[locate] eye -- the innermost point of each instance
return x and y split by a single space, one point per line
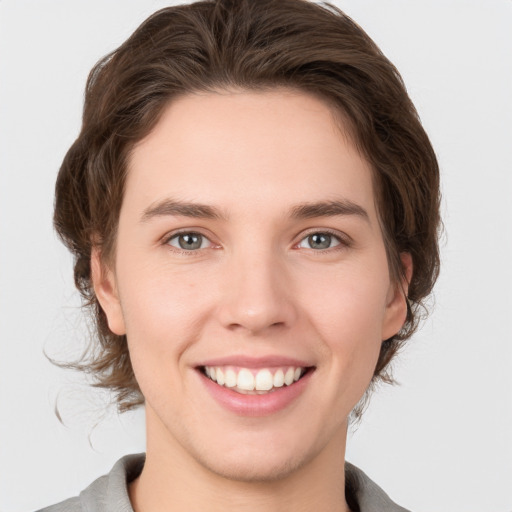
319 241
189 241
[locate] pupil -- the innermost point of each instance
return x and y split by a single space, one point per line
190 241
320 241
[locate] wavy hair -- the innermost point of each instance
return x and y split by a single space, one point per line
253 45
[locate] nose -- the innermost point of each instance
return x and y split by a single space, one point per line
257 294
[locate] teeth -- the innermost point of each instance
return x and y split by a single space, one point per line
248 381
288 376
230 379
264 380
245 380
279 379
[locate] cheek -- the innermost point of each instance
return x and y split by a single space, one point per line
162 315
349 304
162 310
347 310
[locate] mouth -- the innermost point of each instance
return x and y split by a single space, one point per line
255 381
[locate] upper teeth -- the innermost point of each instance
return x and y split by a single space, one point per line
244 379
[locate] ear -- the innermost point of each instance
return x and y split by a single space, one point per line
105 288
396 307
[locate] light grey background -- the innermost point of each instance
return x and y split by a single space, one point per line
442 441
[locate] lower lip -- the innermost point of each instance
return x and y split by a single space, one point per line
256 405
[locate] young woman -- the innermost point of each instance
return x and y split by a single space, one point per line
253 208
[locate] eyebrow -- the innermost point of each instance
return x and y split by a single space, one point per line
169 207
329 209
184 209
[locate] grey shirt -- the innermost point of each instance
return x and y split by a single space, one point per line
109 493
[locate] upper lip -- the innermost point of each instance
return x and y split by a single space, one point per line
255 362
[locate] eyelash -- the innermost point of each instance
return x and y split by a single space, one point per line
343 241
188 252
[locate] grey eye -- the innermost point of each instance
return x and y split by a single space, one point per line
319 241
188 241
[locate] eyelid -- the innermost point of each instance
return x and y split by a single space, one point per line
343 239
183 231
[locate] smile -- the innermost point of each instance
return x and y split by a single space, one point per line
260 386
254 381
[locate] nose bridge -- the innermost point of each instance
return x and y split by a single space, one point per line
255 295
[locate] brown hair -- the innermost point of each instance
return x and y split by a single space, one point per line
246 44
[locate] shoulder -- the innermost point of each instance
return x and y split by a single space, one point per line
109 492
368 496
71 505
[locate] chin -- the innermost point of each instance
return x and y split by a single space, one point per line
257 458
262 469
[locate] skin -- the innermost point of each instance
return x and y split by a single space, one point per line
255 287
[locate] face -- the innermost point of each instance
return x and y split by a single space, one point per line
251 279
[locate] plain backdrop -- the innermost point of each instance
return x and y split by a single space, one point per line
440 441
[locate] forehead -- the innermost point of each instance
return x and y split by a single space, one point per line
276 147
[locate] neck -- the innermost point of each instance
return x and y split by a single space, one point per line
172 479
